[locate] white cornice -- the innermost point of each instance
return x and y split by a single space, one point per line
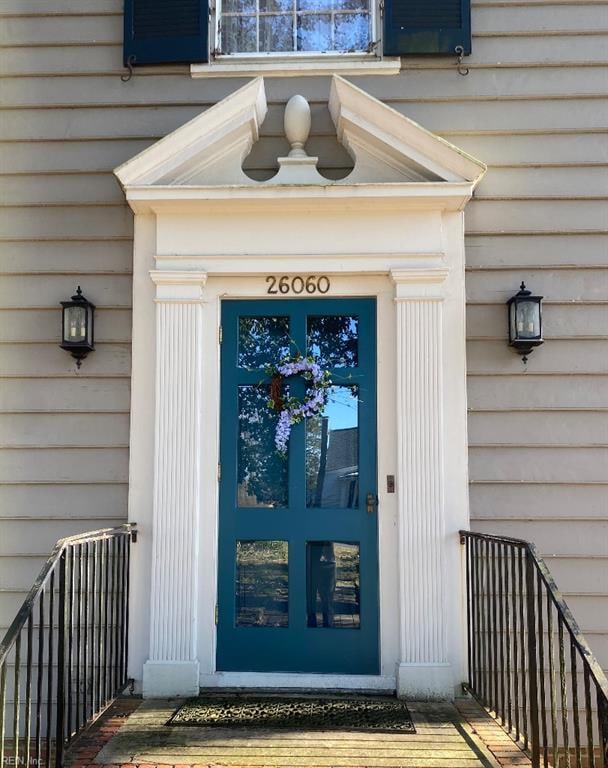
188 199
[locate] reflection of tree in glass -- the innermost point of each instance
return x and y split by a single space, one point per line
262 589
262 340
333 340
262 473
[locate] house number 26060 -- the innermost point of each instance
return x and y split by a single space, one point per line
297 284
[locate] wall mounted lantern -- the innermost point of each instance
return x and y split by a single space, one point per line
525 322
77 332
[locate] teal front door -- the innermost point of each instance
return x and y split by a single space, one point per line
298 543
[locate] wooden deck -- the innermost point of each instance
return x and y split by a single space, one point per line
448 736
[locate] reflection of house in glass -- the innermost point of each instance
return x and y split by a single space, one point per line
338 478
332 452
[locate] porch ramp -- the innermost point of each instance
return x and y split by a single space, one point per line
459 735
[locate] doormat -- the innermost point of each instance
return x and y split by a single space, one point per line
343 713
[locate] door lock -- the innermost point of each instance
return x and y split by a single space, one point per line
371 503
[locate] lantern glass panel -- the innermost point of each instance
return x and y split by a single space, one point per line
76 324
528 319
512 321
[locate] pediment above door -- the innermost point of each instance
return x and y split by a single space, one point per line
393 156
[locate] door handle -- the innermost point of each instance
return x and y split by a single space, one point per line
371 503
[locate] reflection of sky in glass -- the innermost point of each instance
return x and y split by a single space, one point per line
341 408
319 25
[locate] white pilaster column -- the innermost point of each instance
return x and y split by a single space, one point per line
423 670
172 667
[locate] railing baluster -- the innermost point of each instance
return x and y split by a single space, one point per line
575 713
501 635
541 670
78 641
96 631
551 655
16 699
49 672
563 683
118 596
106 612
486 623
132 538
471 633
28 691
121 612
85 641
532 663
588 718
102 625
70 632
2 709
522 635
507 629
602 721
113 665
40 674
477 615
514 558
495 628
62 658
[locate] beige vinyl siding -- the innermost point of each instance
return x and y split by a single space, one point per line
534 107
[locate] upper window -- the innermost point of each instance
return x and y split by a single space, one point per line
294 26
292 36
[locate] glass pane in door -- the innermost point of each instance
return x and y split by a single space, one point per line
262 586
262 473
332 580
333 340
262 341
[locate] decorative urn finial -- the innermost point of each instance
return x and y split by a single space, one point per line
297 125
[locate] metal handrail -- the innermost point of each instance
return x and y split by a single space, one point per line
513 607
81 595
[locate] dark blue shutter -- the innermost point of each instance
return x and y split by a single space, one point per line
166 31
426 26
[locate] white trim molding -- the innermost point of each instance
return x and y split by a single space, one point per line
422 670
205 233
173 666
297 66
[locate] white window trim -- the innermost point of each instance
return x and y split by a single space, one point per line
271 65
296 63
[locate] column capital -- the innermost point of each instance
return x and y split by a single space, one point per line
418 283
181 286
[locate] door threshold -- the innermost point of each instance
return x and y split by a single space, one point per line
294 682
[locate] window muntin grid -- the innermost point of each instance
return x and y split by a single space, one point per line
301 26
